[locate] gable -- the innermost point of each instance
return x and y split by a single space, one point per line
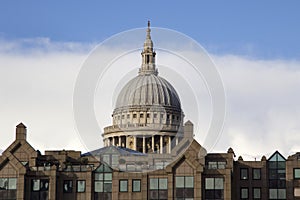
183 167
7 169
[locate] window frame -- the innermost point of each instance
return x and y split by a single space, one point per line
253 193
121 189
84 186
294 173
133 184
67 183
256 169
247 173
247 192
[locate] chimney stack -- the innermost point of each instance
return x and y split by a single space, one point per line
21 132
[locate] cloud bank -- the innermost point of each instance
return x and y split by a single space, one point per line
37 78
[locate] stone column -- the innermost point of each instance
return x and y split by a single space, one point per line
169 144
119 141
152 143
113 141
134 142
161 144
176 140
144 144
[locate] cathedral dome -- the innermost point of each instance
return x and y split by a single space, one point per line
148 90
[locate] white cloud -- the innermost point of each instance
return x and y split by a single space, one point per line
36 87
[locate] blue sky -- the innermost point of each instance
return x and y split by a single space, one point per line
255 46
262 29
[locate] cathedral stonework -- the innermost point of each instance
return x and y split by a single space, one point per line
148 115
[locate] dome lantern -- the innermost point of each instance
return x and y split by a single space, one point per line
148 56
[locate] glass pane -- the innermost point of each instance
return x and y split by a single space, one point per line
256 193
256 174
179 180
209 183
107 187
280 158
297 192
35 185
98 186
80 186
281 193
163 194
136 185
273 193
273 174
44 184
189 182
274 158
244 174
212 165
153 183
281 165
272 165
123 185
188 193
244 193
3 183
163 184
68 186
153 194
219 183
115 160
107 176
99 177
12 183
106 159
221 165
296 173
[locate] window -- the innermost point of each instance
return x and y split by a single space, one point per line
148 115
123 116
216 165
277 193
297 192
256 174
161 116
184 187
296 173
136 185
8 188
141 115
256 193
134 115
80 186
244 193
158 188
110 159
123 185
39 188
276 168
244 173
155 115
103 182
68 186
214 188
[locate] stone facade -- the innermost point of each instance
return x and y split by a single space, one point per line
66 174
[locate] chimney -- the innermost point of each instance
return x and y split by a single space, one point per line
21 132
188 129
